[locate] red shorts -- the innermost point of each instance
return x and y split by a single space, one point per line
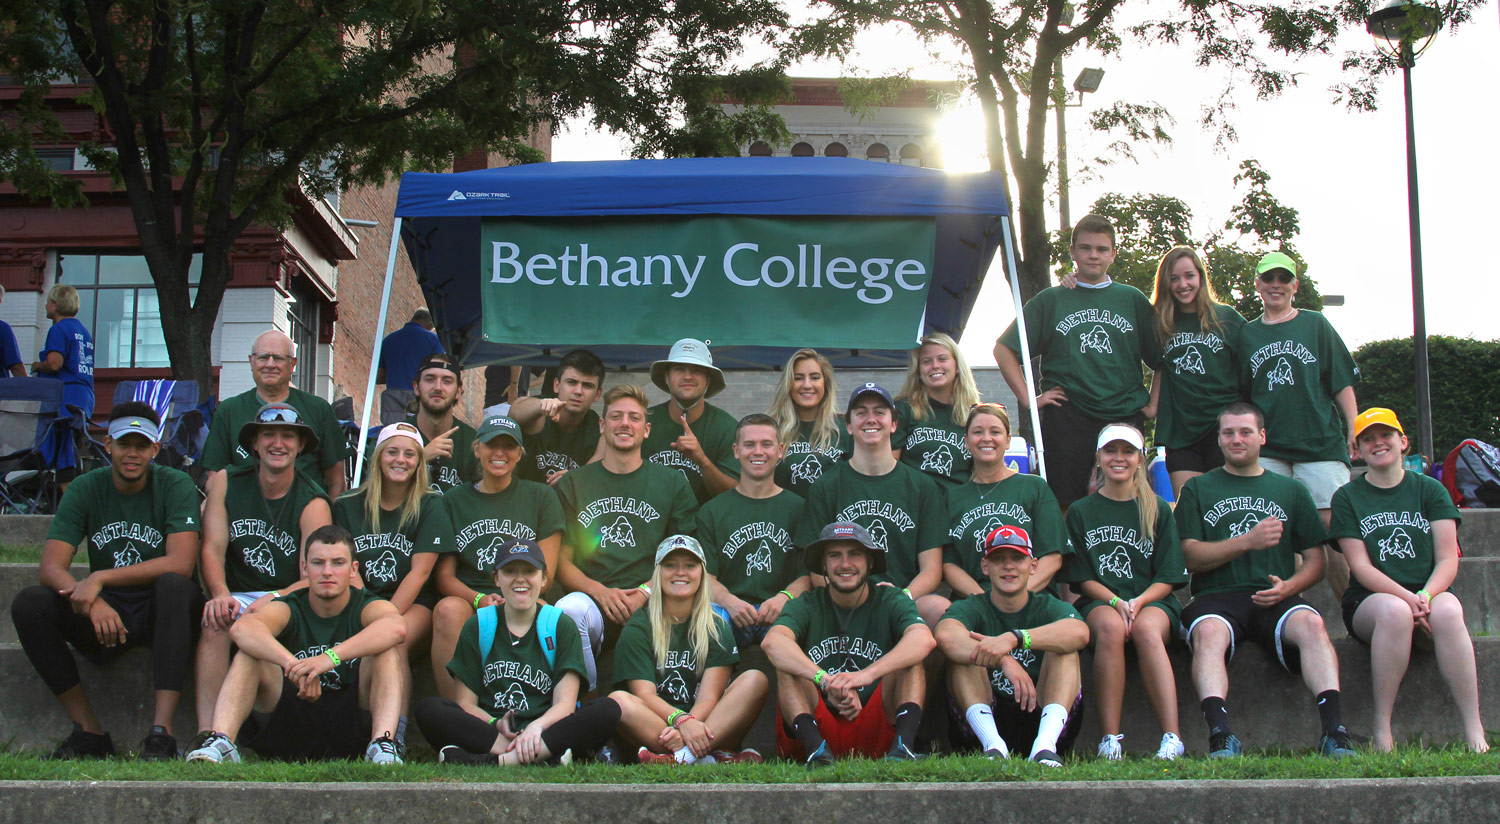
869 734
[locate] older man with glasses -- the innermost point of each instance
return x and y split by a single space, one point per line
271 364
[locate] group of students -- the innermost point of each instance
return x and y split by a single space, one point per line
849 546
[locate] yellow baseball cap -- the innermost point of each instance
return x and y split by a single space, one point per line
1376 415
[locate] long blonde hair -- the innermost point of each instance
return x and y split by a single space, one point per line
1205 303
826 421
701 629
965 391
411 504
1140 485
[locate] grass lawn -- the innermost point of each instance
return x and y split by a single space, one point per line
1403 763
20 554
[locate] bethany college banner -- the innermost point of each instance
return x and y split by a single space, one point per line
788 281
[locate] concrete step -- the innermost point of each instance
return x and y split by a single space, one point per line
13 579
1479 534
24 530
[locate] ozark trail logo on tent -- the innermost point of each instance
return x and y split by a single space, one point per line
458 195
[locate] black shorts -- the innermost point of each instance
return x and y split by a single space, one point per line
1353 597
1246 621
1069 438
332 727
1017 727
1199 456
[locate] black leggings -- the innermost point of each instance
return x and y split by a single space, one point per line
444 722
163 617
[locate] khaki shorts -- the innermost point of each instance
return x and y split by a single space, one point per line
1321 478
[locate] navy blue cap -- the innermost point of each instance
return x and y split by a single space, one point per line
869 389
520 549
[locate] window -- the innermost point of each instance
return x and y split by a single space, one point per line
878 151
117 302
911 155
836 150
802 150
303 314
57 160
760 149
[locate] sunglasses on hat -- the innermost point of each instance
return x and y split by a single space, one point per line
284 414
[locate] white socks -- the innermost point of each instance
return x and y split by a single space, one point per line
982 721
685 756
1054 718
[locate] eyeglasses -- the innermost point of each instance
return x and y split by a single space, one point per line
278 414
1277 276
269 357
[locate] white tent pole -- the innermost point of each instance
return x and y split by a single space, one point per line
385 304
1015 292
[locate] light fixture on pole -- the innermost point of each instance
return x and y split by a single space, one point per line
1088 81
1404 30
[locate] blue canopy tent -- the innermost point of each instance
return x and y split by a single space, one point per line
439 219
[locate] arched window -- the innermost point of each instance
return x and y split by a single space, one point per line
836 150
911 155
878 151
760 149
802 150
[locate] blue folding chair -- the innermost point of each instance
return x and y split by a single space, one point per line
31 418
183 425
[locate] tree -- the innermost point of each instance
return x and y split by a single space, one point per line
1012 48
1147 226
222 114
1465 404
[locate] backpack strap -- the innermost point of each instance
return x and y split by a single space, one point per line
546 631
488 618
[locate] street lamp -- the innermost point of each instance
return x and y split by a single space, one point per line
1088 81
1404 29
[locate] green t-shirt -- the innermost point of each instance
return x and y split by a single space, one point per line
483 523
1292 370
265 537
676 684
1108 547
308 634
459 468
902 509
976 510
748 542
614 522
123 530
1395 525
222 449
802 465
714 430
934 445
515 676
1217 506
555 449
1092 343
849 641
384 549
1198 377
978 613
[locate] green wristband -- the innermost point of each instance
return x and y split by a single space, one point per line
478 596
1114 600
672 719
818 679
332 656
789 596
908 592
1425 594
1025 639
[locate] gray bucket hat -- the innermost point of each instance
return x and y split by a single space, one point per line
812 556
673 543
689 352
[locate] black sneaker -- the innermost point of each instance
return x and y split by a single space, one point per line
821 757
82 744
1047 758
1224 745
1336 744
159 746
452 754
900 752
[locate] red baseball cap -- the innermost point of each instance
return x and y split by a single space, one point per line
1008 537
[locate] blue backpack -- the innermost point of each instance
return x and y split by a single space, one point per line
546 630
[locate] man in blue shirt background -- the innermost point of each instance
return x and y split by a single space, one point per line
401 353
11 364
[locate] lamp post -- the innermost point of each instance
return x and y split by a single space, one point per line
1404 29
1088 81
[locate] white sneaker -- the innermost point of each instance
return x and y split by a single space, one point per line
383 751
1171 747
1109 748
216 748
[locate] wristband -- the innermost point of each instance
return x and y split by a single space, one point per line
1024 637
672 719
478 596
1425 594
494 721
1114 600
332 656
818 679
908 592
682 716
789 596
646 588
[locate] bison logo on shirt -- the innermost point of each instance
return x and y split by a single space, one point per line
513 698
1245 525
1282 374
382 568
486 556
1096 339
129 556
878 534
674 688
1397 545
620 533
260 559
939 461
760 559
989 526
807 470
1116 563
1190 361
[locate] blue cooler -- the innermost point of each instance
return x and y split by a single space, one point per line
1020 456
1161 482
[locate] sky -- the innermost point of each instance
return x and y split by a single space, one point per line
1345 172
